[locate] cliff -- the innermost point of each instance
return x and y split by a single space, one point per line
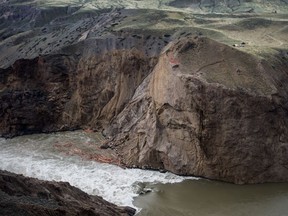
61 92
208 110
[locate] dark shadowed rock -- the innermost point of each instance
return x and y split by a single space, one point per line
24 196
63 92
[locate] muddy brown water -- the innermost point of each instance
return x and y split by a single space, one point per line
62 157
204 197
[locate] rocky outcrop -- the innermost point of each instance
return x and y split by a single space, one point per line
28 196
209 110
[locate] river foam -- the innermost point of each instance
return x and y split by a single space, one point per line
34 156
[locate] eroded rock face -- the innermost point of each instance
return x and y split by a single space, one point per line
64 92
209 110
28 196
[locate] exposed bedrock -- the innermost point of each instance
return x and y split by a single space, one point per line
64 92
28 196
209 110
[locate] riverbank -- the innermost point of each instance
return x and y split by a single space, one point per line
21 195
36 156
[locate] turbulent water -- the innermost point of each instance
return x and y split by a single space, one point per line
36 156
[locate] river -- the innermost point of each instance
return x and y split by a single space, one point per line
204 197
37 156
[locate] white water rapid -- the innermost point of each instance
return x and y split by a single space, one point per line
34 156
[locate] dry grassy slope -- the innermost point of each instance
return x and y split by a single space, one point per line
32 28
187 5
224 65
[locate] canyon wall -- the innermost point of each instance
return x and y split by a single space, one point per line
208 110
200 108
164 98
61 92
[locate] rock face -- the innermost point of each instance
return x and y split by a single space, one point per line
27 196
209 110
61 92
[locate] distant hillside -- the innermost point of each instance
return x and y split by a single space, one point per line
200 6
232 5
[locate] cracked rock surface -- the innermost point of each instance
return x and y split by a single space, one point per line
208 110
